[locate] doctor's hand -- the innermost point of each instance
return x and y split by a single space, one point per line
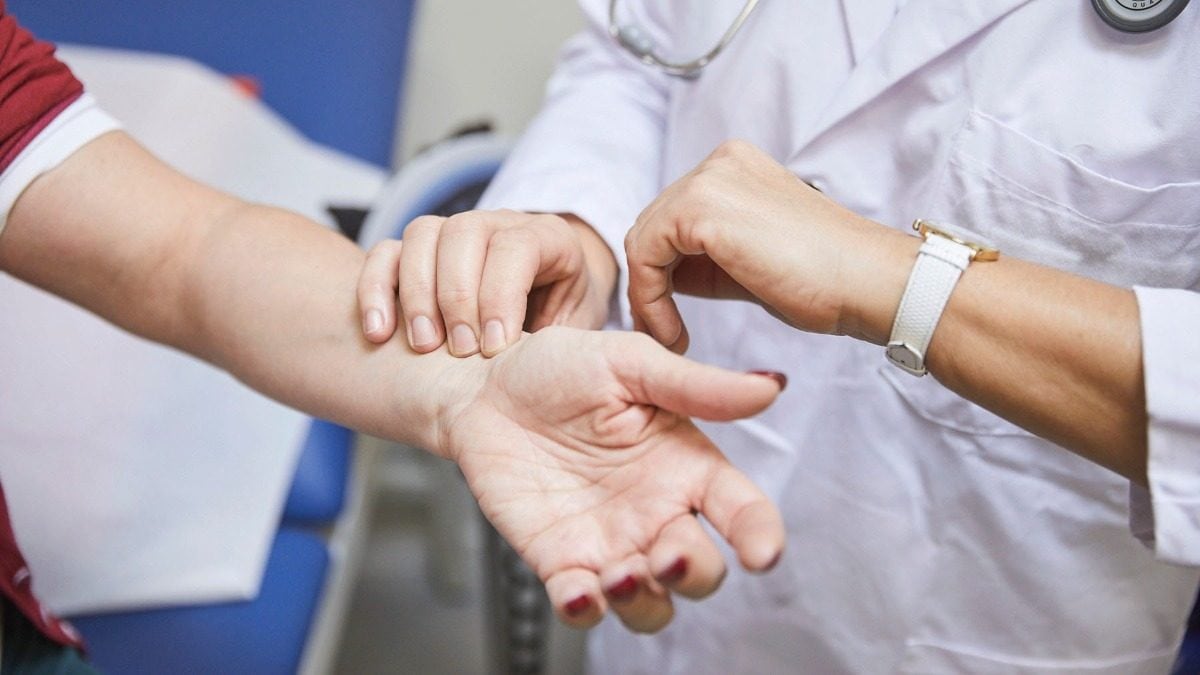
477 278
578 447
741 226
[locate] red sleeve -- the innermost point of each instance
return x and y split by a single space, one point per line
34 87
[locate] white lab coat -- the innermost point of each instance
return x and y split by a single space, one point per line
925 534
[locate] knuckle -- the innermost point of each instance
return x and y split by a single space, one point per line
422 226
496 303
382 253
694 195
467 222
376 288
416 289
515 239
550 220
733 148
455 297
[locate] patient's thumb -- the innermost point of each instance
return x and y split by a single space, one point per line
683 386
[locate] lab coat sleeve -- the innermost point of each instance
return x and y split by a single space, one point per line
595 147
1167 515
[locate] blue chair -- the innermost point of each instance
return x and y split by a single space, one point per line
265 635
318 491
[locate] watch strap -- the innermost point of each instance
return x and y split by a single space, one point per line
939 265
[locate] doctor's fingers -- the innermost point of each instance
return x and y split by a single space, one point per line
461 255
542 251
377 286
653 249
418 284
685 559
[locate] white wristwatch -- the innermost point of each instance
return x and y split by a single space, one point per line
941 261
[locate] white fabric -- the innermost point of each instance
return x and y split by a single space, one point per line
925 534
1168 515
136 475
79 123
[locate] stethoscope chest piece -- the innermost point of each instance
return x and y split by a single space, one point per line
1138 16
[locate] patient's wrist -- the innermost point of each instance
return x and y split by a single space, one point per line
434 394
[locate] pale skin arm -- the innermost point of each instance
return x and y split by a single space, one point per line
1053 352
577 444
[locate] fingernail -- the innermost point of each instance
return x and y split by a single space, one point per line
423 332
462 340
675 572
578 606
774 561
374 321
779 377
623 589
493 337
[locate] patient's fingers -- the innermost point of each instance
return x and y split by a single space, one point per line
745 517
576 597
642 604
418 284
377 286
685 559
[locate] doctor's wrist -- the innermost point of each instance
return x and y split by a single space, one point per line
873 283
599 259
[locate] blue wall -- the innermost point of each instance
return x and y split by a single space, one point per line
332 68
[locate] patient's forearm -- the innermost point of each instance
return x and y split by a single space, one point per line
275 305
261 292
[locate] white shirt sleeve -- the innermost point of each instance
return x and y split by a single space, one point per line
77 124
1167 516
595 148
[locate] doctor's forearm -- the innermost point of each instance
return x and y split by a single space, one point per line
1055 353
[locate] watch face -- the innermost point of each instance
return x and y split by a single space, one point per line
985 249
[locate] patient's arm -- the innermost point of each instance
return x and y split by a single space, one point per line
576 444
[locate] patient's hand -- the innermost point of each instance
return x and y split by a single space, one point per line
579 449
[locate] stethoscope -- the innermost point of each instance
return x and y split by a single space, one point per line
1129 16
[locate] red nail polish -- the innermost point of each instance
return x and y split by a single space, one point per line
675 572
779 377
578 606
623 589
